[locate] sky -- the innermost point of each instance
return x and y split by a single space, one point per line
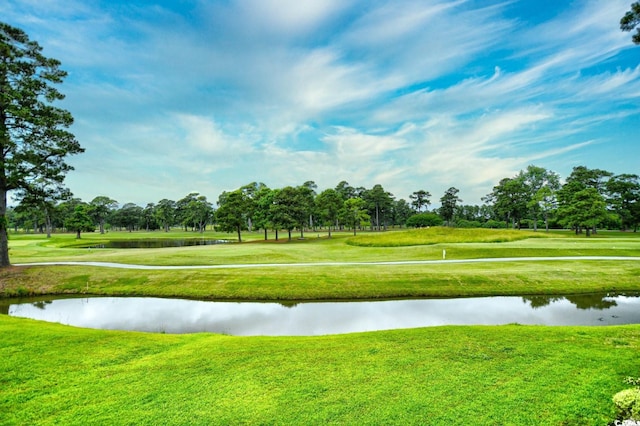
177 96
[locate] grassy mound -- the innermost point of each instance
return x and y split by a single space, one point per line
439 234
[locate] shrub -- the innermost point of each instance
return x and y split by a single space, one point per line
628 403
422 220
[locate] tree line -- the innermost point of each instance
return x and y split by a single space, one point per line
589 199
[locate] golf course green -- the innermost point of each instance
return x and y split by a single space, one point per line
510 374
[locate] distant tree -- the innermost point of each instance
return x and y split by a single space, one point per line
287 209
401 211
263 199
586 210
165 213
101 207
355 213
509 199
631 20
624 198
80 220
448 204
41 198
541 185
149 217
581 178
328 205
345 190
34 140
129 217
231 215
419 199
379 204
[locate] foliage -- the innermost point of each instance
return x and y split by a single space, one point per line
231 213
449 202
33 137
423 220
627 403
631 20
80 220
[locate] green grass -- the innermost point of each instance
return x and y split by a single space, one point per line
504 375
501 375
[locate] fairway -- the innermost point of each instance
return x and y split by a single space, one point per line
492 375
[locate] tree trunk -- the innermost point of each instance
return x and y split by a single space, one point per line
4 238
239 236
265 233
78 234
289 234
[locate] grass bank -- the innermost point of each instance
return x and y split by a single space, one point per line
52 374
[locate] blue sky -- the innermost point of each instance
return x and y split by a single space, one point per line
171 97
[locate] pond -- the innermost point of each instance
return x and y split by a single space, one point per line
157 243
320 318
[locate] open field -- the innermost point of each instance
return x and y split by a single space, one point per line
496 375
331 282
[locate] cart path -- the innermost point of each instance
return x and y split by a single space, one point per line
316 264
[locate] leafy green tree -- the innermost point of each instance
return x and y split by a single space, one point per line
419 199
631 20
41 199
345 190
401 211
586 210
34 139
624 198
231 215
328 205
355 213
509 199
542 185
580 179
165 213
101 207
448 202
262 209
379 204
80 220
287 209
128 217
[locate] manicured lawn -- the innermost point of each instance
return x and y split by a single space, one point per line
52 374
501 375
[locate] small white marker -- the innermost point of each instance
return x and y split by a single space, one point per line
444 254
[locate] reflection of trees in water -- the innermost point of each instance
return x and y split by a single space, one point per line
582 301
4 308
42 304
289 304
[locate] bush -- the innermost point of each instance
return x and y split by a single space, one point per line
628 403
422 220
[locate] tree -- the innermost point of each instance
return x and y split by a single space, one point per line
542 184
448 204
328 205
420 198
624 198
379 203
232 212
33 137
101 207
355 213
631 20
41 197
165 213
286 209
262 208
510 198
580 179
80 220
586 209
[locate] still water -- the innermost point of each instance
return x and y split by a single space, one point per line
306 319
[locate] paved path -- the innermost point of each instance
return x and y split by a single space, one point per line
307 264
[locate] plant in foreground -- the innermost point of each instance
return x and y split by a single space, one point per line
628 401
